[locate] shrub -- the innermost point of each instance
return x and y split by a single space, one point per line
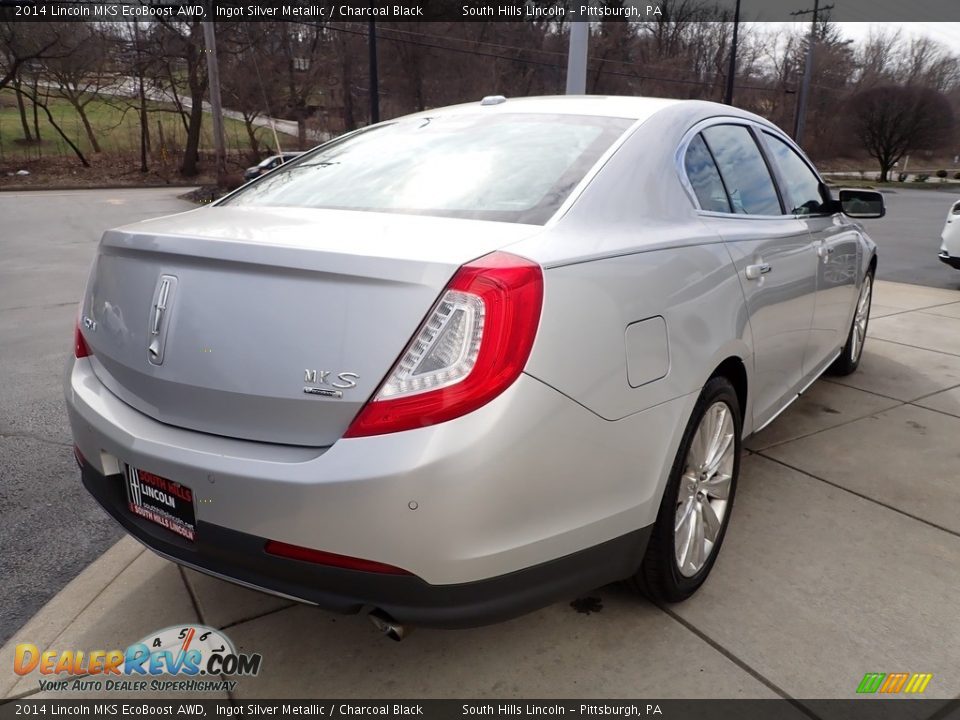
921 177
902 177
956 176
941 174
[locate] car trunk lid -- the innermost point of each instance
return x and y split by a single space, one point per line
268 324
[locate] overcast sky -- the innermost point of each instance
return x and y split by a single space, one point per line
947 33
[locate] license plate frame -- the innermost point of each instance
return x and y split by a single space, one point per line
162 501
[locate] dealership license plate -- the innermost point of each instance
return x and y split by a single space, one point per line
161 501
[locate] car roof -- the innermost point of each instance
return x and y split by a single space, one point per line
614 106
636 108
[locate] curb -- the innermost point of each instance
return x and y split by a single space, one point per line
64 607
61 188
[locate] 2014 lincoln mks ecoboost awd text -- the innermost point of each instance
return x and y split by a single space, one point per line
450 368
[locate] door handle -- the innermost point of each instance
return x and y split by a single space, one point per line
160 307
755 271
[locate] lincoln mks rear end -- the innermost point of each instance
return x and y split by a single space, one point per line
454 367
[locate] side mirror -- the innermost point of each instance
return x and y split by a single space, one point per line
862 204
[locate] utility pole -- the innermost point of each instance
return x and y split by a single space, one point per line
374 74
577 58
732 72
213 76
801 116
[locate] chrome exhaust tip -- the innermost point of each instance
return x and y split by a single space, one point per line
388 626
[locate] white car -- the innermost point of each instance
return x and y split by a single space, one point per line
950 245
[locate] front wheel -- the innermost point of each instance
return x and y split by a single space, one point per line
849 359
697 501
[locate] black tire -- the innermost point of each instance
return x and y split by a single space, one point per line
659 576
849 359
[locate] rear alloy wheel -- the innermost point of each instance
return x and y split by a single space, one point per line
697 501
849 358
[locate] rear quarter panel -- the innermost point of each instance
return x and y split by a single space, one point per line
581 348
632 247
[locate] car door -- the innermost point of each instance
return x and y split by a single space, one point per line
773 254
837 244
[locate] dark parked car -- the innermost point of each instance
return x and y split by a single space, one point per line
274 161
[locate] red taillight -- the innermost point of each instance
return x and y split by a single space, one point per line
80 348
473 345
78 456
295 552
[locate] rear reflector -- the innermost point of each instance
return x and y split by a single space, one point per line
295 552
78 456
472 346
80 348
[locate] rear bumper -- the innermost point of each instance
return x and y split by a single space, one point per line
240 557
952 261
494 513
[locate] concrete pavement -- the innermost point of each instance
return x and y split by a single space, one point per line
842 558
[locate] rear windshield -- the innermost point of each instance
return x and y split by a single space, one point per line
515 168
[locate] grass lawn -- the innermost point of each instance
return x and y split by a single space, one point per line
118 132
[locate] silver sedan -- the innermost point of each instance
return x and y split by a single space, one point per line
453 367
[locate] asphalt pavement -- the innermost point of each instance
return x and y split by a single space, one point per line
908 238
50 528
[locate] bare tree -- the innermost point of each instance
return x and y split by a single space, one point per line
21 43
42 100
17 84
23 46
249 64
874 58
346 48
177 47
78 70
140 65
302 49
893 120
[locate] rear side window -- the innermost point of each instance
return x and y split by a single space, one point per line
802 185
705 178
499 166
743 169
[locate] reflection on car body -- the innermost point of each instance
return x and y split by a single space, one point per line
559 318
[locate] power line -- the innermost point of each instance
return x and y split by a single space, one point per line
540 63
543 51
